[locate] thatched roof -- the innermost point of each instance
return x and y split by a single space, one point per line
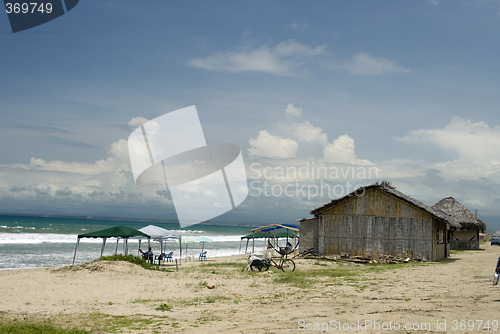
388 188
464 217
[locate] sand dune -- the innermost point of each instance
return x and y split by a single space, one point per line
451 296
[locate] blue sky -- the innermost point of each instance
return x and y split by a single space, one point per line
408 88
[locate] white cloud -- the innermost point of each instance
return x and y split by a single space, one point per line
270 146
473 142
365 64
117 160
303 131
47 177
137 121
78 188
42 189
306 132
432 2
342 150
293 111
283 59
297 26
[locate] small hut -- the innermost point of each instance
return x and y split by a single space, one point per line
378 220
467 235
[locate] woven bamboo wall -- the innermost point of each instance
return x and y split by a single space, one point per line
378 223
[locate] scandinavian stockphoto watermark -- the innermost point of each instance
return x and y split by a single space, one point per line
170 153
309 180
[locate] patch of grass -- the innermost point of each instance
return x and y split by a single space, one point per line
164 307
202 284
210 300
145 301
132 259
36 327
196 301
118 323
306 278
237 265
322 263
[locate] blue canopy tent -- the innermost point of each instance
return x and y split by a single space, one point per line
273 231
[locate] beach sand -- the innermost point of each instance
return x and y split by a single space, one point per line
320 296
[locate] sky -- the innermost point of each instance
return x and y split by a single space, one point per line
320 96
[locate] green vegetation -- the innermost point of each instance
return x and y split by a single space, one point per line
118 323
305 278
132 259
164 307
35 327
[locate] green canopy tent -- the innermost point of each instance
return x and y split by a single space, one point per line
123 232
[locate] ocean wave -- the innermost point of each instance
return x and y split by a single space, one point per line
39 238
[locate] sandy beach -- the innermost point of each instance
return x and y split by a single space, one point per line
455 295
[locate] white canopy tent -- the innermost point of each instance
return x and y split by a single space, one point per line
160 234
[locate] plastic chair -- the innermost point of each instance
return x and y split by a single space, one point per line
203 256
160 258
168 257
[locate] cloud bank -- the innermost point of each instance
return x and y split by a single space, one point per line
285 58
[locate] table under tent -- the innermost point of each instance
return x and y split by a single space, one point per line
273 233
118 232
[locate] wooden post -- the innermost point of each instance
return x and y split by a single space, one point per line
294 243
176 265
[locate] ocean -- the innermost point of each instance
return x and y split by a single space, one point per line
34 242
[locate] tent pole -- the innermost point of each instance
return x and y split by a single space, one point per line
76 247
103 244
274 238
126 246
180 249
139 246
253 241
246 248
286 245
116 248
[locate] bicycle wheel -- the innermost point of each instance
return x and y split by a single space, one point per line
257 265
266 265
287 265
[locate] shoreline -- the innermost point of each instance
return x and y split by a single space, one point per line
100 295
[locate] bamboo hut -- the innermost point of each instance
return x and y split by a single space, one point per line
467 235
378 220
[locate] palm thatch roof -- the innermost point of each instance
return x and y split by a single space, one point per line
388 188
464 217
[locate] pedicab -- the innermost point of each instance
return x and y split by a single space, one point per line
274 255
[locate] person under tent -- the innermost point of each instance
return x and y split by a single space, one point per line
148 256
